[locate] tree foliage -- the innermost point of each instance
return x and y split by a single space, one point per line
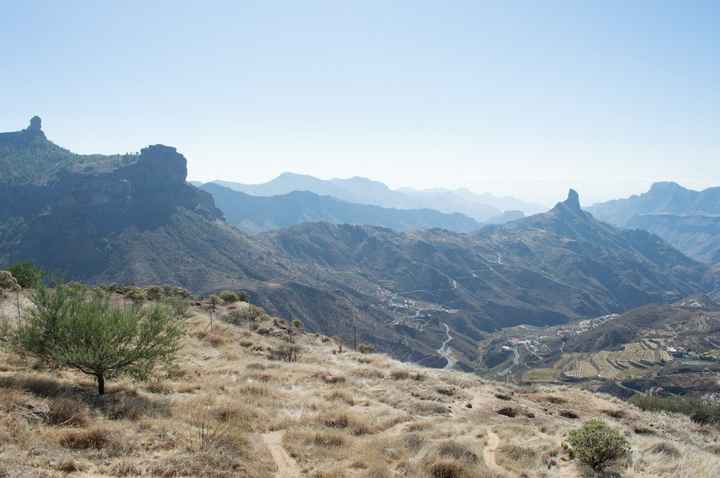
597 445
79 328
26 274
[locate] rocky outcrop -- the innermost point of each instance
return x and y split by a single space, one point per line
63 222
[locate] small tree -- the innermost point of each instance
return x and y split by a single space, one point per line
597 445
75 327
26 274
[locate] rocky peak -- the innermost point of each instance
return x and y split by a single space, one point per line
572 202
665 187
35 124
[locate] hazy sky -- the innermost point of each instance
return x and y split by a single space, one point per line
519 98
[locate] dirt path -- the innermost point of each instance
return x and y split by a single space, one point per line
287 467
493 442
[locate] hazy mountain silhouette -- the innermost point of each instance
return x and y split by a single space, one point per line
365 191
264 213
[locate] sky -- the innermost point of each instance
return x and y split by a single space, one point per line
514 98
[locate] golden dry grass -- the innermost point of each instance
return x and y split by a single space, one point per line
340 414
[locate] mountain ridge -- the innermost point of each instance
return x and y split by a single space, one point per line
137 221
366 191
263 213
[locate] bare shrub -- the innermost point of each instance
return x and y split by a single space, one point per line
95 438
286 353
448 469
329 439
357 425
67 412
508 412
665 448
457 451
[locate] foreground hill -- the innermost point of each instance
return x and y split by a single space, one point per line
230 408
425 296
263 213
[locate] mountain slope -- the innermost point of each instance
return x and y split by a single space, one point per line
662 198
687 219
696 236
546 269
258 213
365 191
137 221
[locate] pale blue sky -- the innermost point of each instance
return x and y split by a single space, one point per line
521 98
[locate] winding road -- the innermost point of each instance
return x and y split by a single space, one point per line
445 351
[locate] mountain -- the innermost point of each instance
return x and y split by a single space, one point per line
365 191
687 219
263 213
696 236
546 269
464 199
131 218
662 198
505 217
134 219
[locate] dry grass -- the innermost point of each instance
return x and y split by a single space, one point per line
342 414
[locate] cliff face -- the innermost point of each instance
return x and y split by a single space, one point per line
64 216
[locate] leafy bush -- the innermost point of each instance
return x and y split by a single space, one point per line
366 349
230 297
700 411
245 315
26 274
79 328
597 445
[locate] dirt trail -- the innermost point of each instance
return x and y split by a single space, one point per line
287 467
493 441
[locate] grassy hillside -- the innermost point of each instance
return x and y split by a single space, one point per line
232 407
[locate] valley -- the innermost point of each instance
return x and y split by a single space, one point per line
672 349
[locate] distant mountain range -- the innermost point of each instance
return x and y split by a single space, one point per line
365 191
134 219
687 219
264 213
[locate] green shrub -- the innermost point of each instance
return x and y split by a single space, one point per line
245 315
136 294
230 297
597 445
366 349
26 274
178 304
700 411
79 328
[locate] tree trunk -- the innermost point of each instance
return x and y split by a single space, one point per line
101 384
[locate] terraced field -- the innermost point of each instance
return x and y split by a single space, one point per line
633 361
